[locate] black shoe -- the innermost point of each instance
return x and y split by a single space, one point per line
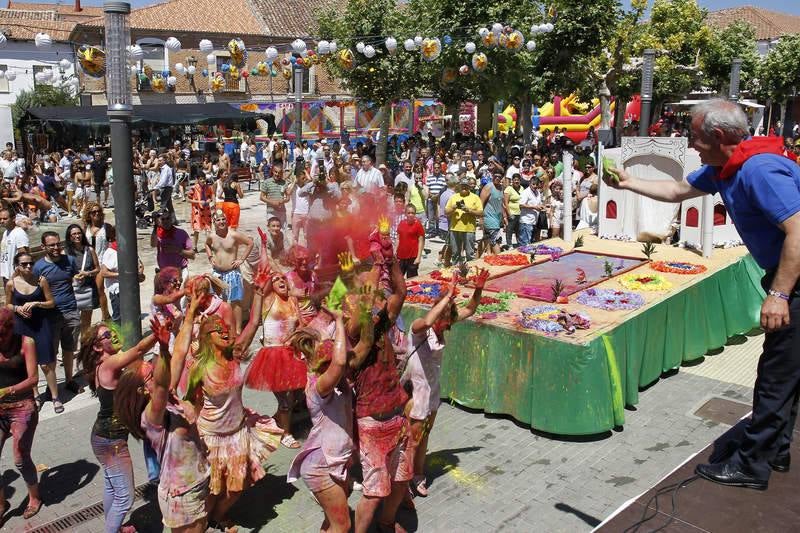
731 475
781 463
73 386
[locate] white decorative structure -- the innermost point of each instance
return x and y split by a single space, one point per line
624 214
173 44
43 41
206 46
697 224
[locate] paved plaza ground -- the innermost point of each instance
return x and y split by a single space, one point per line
486 472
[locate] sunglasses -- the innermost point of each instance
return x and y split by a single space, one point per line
26 264
95 212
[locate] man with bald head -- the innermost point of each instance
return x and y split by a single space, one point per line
761 191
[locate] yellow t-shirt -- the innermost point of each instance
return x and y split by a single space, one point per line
460 219
415 199
513 200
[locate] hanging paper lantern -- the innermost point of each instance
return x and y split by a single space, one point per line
483 32
391 44
410 45
431 49
233 73
418 40
285 62
515 40
447 39
479 62
226 67
39 77
261 68
191 70
293 60
497 28
172 81
165 73
369 52
449 75
273 72
136 52
204 72
92 61
238 52
502 39
333 46
254 71
346 59
469 48
508 29
299 61
43 40
11 75
74 82
548 27
217 83
245 74
158 83
272 53
211 59
530 45
65 64
206 46
173 45
287 74
489 40
463 70
3 40
360 47
179 68
298 46
323 47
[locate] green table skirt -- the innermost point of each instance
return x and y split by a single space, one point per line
570 389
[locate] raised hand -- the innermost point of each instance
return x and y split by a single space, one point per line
161 331
480 279
346 262
383 225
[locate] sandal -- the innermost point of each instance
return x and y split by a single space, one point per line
31 511
39 402
290 442
58 407
419 483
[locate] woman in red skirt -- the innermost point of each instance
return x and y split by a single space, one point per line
277 367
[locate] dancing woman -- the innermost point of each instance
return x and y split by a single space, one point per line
146 408
239 441
18 413
327 454
276 367
424 368
103 363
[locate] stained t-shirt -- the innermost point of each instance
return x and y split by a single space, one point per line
59 275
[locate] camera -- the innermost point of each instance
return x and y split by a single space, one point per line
461 205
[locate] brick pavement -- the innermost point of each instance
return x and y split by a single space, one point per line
486 472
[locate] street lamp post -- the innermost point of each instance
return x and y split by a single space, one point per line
647 91
298 104
120 112
736 70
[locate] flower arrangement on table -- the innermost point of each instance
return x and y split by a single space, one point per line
610 300
493 305
425 292
639 282
550 319
506 259
677 267
541 249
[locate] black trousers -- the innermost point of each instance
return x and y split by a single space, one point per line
775 396
408 268
165 199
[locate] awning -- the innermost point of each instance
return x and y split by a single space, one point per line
689 103
153 113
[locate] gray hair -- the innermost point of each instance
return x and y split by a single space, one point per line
452 180
719 114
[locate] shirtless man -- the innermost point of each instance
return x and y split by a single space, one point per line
224 159
223 251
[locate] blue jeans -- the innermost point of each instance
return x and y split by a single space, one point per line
525 233
114 456
151 462
462 241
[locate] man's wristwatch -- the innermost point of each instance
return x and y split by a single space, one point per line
778 294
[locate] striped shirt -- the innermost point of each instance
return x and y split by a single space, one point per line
436 184
274 190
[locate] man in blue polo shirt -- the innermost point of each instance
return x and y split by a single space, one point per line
761 191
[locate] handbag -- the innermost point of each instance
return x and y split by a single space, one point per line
83 290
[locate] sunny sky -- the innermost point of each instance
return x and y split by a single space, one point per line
786 6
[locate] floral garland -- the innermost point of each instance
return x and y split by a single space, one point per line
541 249
492 305
550 319
638 282
425 293
677 267
610 300
506 259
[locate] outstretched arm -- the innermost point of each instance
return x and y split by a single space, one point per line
120 360
183 340
663 190
245 338
159 396
472 305
336 369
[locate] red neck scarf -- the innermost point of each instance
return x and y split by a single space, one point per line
113 245
747 149
162 233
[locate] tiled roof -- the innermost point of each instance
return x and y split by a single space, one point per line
23 25
210 16
65 11
292 18
767 24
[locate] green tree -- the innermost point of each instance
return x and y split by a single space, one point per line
779 72
735 41
382 79
41 96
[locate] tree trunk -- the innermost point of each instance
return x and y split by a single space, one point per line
619 119
452 110
524 117
383 139
605 106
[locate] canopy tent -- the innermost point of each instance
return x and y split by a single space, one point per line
153 113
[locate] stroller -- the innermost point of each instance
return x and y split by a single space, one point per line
143 209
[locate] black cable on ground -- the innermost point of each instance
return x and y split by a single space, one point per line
634 528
